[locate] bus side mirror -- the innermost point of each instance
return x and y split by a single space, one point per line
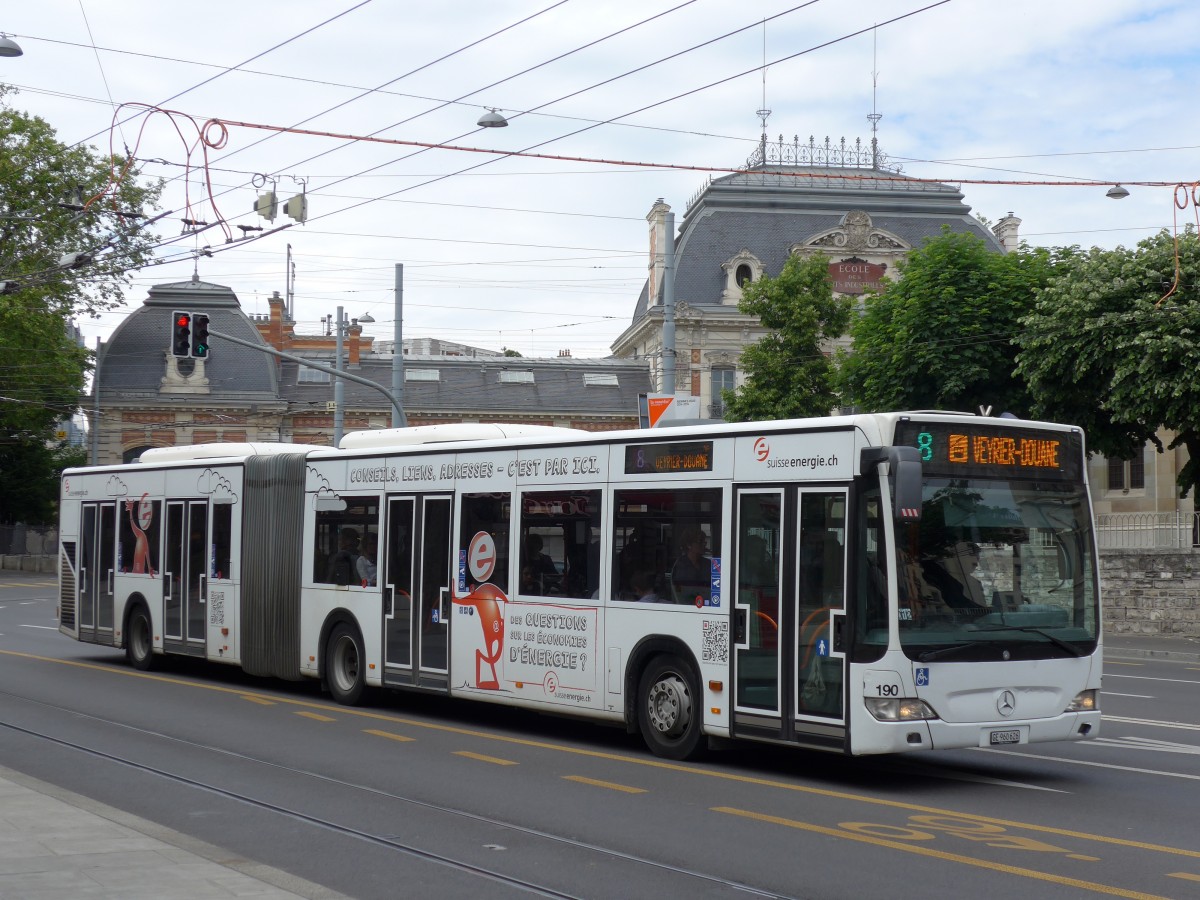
904 464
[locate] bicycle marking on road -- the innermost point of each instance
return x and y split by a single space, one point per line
861 832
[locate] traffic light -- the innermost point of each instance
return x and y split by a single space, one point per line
181 334
200 336
297 207
266 205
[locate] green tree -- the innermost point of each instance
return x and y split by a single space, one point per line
57 202
787 373
1113 345
940 336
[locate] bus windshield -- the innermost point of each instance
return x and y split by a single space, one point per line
998 570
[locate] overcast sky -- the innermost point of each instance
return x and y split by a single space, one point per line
543 255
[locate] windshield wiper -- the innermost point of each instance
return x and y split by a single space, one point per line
1073 649
948 650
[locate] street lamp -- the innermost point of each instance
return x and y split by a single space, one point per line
9 47
492 119
367 318
1116 192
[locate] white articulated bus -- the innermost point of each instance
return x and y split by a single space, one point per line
859 584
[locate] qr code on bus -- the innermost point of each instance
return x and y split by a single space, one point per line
716 641
216 608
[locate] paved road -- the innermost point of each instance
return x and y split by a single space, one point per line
413 796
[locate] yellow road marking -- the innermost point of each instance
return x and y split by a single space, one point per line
257 698
390 735
644 761
1111 890
482 758
1188 875
316 717
612 786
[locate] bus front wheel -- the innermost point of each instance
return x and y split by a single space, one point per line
139 645
344 665
669 708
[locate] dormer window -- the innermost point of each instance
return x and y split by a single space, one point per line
739 272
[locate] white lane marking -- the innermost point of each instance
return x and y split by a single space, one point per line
1137 743
1097 765
1128 721
1148 678
1135 696
47 627
999 782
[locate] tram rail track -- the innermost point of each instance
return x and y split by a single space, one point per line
390 843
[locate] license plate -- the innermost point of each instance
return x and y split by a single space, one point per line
1005 737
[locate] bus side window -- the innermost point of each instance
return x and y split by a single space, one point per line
560 543
337 542
665 541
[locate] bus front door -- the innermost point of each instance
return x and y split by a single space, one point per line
97 564
416 591
185 577
789 668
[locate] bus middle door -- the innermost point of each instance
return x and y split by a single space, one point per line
416 591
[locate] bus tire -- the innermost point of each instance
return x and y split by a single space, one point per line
669 708
344 665
139 640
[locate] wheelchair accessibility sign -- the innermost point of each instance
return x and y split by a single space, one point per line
922 676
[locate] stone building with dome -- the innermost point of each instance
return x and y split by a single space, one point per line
149 398
841 200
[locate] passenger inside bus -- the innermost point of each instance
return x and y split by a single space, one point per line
366 565
691 576
539 575
953 575
642 582
341 567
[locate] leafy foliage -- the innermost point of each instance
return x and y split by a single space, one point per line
787 373
1104 349
42 369
941 335
29 488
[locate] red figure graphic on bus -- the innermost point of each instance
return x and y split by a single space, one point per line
487 600
142 563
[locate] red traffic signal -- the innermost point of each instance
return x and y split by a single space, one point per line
181 334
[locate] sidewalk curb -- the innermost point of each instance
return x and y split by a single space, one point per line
267 875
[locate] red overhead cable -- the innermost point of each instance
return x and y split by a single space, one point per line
221 126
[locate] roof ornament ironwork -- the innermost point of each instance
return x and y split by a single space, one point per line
835 155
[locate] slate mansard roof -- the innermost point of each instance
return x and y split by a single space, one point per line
132 361
768 209
561 388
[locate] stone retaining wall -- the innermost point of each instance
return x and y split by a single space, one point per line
1151 592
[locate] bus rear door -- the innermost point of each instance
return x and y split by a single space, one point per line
416 591
97 563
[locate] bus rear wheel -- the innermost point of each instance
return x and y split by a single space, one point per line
344 665
669 710
139 645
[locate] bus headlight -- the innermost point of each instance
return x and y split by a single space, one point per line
895 709
1085 701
